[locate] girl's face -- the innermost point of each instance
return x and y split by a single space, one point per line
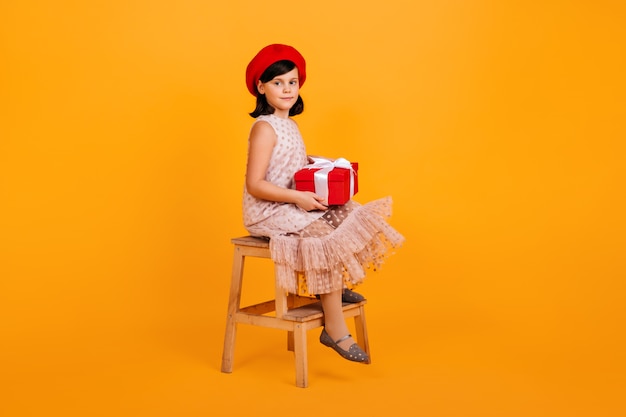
281 92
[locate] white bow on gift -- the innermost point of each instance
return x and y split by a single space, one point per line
320 178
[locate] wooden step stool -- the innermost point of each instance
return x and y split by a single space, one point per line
290 312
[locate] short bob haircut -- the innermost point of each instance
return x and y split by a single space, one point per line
274 70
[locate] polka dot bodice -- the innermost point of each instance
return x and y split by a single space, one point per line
270 218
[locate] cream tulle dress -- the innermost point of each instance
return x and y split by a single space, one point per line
330 249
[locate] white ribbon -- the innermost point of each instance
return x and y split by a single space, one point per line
320 177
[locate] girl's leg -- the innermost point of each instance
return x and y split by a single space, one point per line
335 323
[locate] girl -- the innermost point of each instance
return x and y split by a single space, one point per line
330 246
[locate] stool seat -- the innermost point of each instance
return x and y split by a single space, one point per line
291 312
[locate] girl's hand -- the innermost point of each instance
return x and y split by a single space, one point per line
308 201
310 158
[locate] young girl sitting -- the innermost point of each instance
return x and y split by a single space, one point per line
330 245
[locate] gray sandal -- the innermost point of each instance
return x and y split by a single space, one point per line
354 353
349 296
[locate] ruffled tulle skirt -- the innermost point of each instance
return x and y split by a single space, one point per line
336 250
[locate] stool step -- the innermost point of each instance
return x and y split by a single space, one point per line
314 311
305 313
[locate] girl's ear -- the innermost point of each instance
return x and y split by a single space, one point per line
260 87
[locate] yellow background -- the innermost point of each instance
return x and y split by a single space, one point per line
496 127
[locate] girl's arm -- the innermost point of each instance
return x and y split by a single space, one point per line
261 144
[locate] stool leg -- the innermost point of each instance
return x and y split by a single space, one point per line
361 332
234 301
300 350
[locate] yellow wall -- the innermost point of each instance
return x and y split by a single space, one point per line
497 128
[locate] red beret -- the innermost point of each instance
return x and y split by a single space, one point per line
269 55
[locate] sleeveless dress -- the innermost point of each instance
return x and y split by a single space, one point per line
332 248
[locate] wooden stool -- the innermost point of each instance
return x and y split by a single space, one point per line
292 312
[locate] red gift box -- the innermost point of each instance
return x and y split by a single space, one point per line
329 179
